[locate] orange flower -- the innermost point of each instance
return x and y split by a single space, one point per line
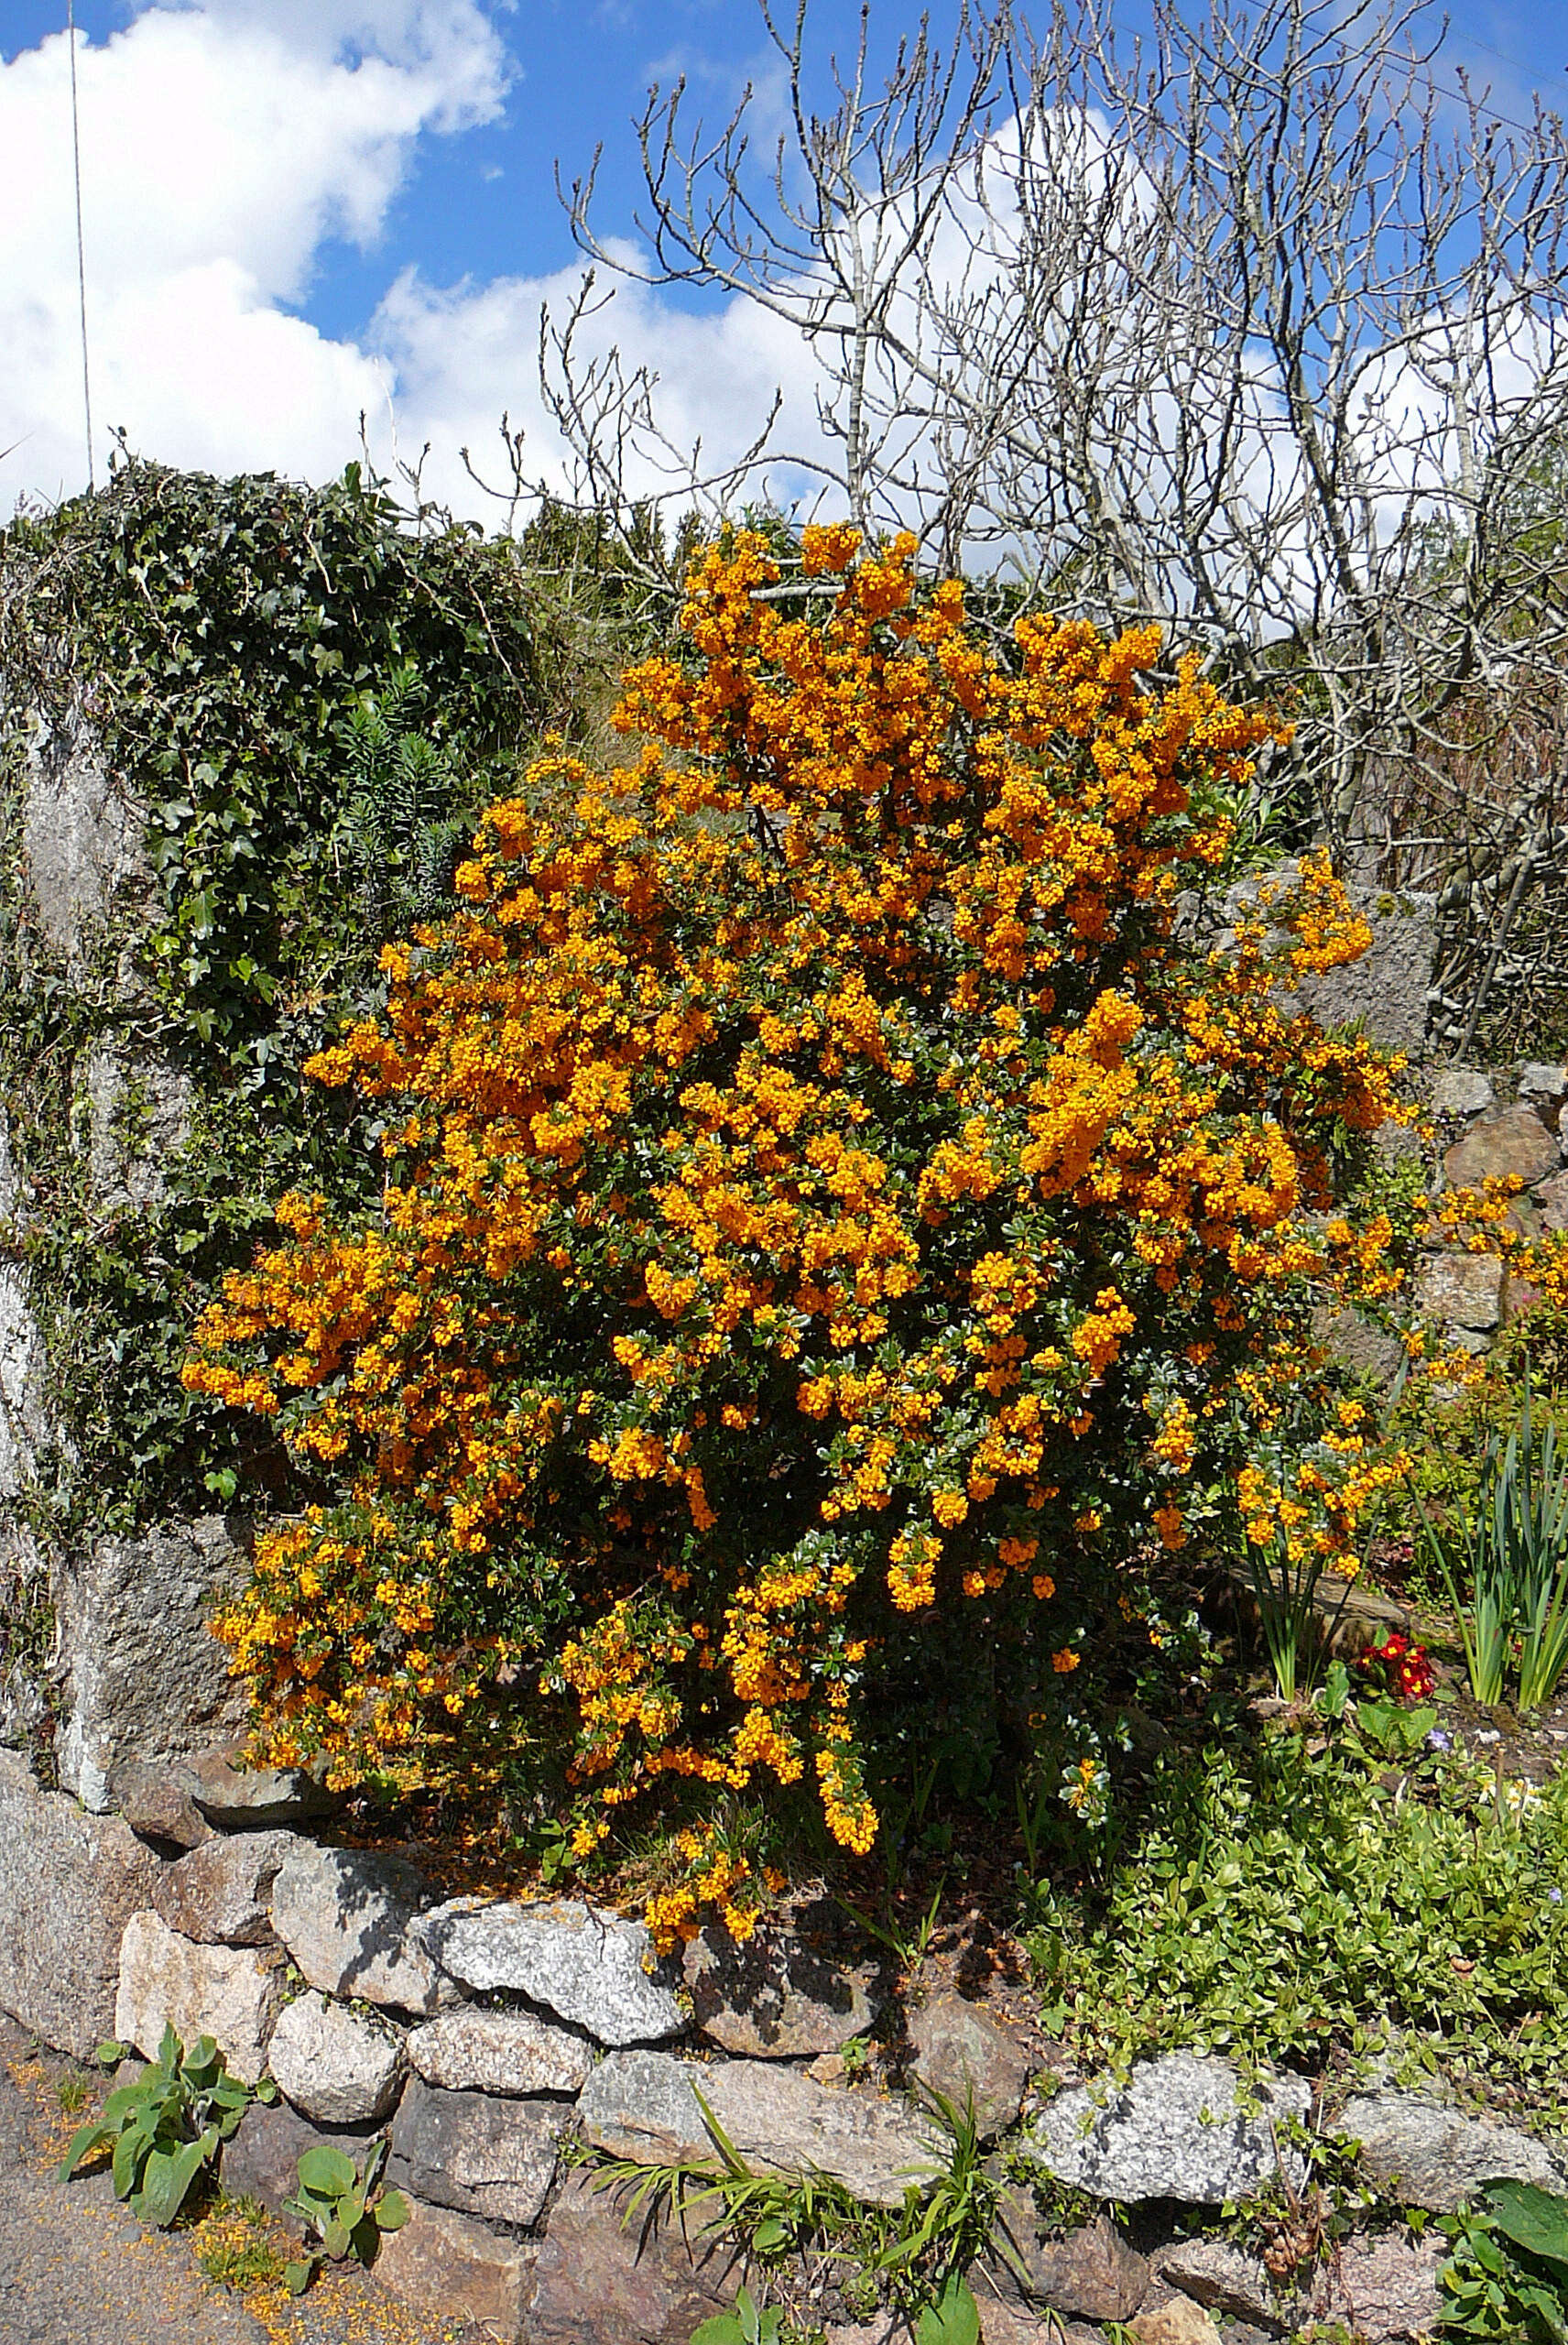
811 1150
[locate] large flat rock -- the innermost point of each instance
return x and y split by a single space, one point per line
1430 2156
965 2054
146 1680
1509 1142
69 1883
82 836
1462 1290
1182 2127
233 1994
262 2160
221 1892
489 2157
475 2050
609 2276
1388 2286
774 1995
1087 2274
25 1427
237 1798
593 1968
347 1916
336 2064
452 2267
645 2105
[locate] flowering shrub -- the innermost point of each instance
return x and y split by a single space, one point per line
826 1197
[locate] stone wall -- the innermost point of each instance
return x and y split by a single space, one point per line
103 1655
500 2044
1506 1125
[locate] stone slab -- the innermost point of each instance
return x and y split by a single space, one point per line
81 835
137 1114
1182 2127
456 2268
1544 1085
609 2276
1387 988
773 1996
1180 2322
1461 1091
144 1678
346 1916
238 1798
595 1970
262 2160
1432 2157
221 1892
1388 2287
482 2155
231 1993
336 2065
1088 2273
155 1802
69 1883
475 2050
24 1428
644 2105
1511 1140
969 2057
1462 1290
1224 2278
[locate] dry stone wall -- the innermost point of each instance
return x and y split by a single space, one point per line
500 2044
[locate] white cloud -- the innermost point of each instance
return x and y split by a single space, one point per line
221 147
464 355
222 144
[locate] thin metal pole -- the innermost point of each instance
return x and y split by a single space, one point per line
80 249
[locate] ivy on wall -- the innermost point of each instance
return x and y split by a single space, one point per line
300 698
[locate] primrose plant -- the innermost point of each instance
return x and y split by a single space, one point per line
166 2127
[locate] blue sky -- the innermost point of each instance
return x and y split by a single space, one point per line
296 209
482 203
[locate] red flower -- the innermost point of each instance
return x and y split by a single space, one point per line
1402 1666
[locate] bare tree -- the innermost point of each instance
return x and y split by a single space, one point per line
1258 329
832 230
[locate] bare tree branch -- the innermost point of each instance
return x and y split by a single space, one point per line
1258 329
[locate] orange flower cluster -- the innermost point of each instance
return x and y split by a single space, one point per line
824 1186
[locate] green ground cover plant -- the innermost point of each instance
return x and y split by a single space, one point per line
1288 1895
1508 2275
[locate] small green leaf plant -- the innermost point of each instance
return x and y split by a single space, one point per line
343 2208
1507 2275
746 2323
166 2127
951 2318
